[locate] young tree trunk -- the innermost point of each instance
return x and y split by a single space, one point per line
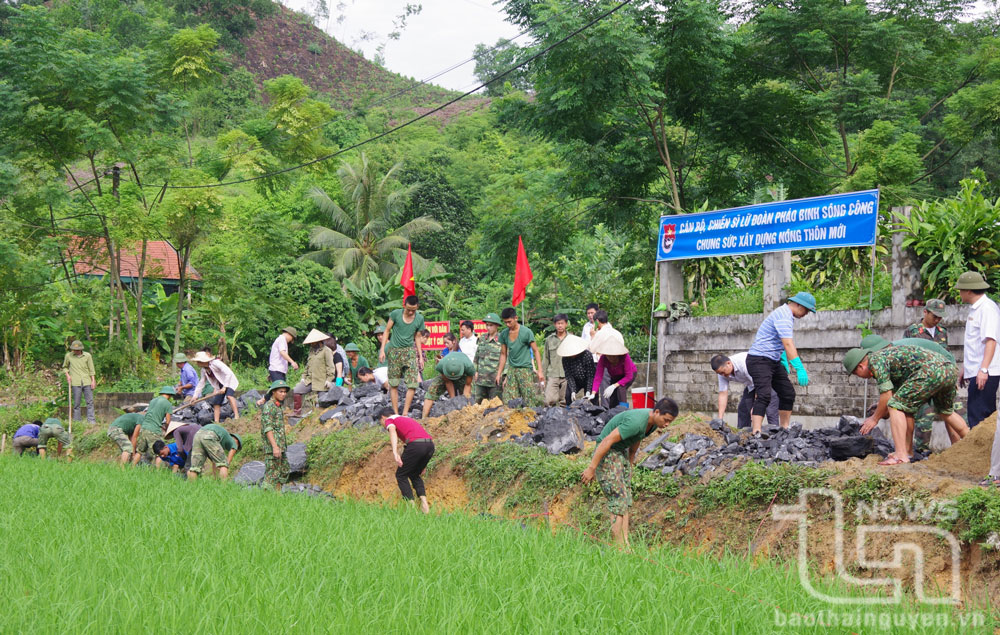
138 297
182 259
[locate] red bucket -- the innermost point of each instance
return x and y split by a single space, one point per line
643 397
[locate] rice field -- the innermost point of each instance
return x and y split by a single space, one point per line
93 548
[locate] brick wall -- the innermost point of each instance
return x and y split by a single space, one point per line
822 340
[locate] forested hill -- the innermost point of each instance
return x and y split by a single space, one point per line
288 43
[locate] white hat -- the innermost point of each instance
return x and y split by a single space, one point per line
609 346
315 336
202 356
607 334
571 346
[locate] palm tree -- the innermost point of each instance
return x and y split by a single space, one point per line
367 239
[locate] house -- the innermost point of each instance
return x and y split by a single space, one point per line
89 257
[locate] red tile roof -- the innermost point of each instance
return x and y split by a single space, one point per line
90 257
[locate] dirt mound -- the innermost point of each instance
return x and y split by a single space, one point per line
679 429
970 457
464 425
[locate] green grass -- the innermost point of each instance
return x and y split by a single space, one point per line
147 552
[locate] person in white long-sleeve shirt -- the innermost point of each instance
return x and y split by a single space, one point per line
222 379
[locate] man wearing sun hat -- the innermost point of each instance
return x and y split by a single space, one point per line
455 373
487 361
156 419
929 327
272 432
223 380
908 376
981 361
189 376
775 338
81 376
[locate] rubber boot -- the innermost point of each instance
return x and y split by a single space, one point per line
297 405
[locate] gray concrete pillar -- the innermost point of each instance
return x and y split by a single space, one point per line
777 276
671 274
905 275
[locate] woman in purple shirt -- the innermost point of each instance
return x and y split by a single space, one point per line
621 370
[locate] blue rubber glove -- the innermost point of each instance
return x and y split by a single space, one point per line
800 371
340 381
784 361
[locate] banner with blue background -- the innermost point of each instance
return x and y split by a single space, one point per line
822 222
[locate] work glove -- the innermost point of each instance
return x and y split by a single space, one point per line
610 390
589 395
800 371
784 361
340 381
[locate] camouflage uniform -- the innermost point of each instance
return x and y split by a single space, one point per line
54 431
487 363
924 419
614 475
403 367
206 445
915 376
272 419
521 384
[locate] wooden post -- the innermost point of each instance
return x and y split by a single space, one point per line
69 387
905 275
777 276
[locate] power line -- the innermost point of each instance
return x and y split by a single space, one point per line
406 123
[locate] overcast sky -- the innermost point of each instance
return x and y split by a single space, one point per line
443 34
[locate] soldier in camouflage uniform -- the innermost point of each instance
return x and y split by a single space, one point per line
907 377
928 328
272 432
487 361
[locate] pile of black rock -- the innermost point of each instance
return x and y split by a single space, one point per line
202 413
696 454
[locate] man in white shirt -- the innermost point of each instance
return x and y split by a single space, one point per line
468 341
734 369
982 330
277 363
589 326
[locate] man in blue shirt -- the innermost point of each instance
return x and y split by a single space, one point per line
766 364
189 376
26 437
170 454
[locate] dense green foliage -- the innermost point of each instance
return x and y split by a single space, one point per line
109 109
239 560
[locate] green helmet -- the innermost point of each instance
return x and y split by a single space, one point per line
379 329
493 318
972 280
874 342
291 331
180 358
854 357
77 345
352 348
276 384
52 421
167 390
453 365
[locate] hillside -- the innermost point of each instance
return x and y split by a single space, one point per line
289 43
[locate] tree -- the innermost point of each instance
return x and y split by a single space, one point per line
188 214
491 61
233 19
369 238
189 64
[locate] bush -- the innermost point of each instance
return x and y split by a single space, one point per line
978 513
121 358
759 484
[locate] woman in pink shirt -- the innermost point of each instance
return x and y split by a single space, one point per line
419 450
621 370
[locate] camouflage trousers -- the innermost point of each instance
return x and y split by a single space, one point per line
614 475
521 385
144 443
403 369
486 392
276 470
206 446
121 439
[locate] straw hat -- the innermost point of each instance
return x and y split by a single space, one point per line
315 336
202 357
571 346
607 334
173 426
609 346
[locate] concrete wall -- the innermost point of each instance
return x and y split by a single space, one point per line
822 339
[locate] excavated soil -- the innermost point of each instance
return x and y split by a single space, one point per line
971 457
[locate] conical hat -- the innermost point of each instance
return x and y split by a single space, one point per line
571 346
607 334
315 336
174 424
